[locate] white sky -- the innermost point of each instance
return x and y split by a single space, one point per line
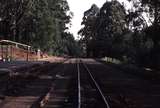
78 7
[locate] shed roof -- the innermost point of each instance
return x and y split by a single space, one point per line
8 42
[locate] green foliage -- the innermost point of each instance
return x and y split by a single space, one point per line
103 28
152 8
40 23
88 31
112 26
124 34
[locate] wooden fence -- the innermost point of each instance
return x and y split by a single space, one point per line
10 50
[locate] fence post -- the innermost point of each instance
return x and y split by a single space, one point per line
1 53
39 54
11 51
28 53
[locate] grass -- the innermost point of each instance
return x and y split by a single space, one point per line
111 60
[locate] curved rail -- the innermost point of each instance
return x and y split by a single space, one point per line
96 84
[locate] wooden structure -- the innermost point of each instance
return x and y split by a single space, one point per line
10 50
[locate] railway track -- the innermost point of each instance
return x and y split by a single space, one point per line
80 83
76 87
90 94
125 90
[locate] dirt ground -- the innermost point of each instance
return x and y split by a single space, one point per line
52 59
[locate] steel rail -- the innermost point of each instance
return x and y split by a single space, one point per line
79 85
97 86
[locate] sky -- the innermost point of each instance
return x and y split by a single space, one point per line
78 7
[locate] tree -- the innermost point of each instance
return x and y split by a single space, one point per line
88 31
40 23
153 30
111 27
11 14
103 29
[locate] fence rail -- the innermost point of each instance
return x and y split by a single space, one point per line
10 50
